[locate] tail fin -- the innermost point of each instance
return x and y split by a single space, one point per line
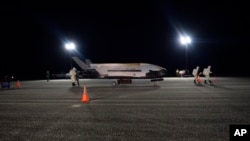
88 62
80 63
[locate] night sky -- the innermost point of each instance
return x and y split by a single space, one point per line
34 34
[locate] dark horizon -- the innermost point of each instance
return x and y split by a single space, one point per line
35 33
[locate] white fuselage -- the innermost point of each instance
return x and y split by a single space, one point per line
124 69
121 70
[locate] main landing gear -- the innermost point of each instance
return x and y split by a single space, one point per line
129 81
121 81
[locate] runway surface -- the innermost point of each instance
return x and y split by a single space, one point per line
176 110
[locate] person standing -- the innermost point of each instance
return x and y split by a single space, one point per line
47 75
195 73
77 77
177 73
73 77
207 72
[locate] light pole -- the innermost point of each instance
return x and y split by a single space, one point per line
70 46
185 40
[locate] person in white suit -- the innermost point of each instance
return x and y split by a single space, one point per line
195 73
72 74
206 73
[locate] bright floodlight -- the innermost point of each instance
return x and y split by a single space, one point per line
70 46
185 40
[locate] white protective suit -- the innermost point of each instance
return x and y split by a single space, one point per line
72 74
195 73
207 72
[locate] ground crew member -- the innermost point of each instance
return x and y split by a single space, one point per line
77 77
207 72
177 72
195 73
47 75
74 76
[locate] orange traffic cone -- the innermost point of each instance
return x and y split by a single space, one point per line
85 97
18 84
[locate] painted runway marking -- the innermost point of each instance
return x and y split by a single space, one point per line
76 105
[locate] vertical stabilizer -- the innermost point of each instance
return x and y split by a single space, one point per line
88 62
80 63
